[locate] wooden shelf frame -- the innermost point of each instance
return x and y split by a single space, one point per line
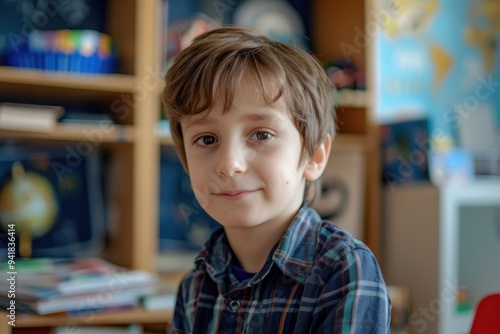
119 83
100 133
144 240
134 316
355 114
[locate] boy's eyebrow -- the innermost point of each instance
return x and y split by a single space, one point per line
260 117
207 120
197 121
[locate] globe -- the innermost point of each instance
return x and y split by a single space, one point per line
28 200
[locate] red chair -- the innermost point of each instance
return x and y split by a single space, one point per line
487 317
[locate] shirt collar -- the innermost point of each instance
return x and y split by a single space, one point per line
216 256
294 254
297 249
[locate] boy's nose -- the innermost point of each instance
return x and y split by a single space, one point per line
232 161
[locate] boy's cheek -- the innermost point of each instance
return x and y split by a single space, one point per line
201 197
205 186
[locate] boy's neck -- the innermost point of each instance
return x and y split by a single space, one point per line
252 249
252 245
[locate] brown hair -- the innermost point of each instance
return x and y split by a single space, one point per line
216 62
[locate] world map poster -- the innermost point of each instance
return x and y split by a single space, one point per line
440 60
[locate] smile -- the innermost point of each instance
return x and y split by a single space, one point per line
234 195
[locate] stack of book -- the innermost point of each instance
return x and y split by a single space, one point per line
165 295
75 286
29 117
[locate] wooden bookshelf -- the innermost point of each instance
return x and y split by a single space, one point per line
132 98
131 143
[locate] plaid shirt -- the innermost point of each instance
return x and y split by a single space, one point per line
318 279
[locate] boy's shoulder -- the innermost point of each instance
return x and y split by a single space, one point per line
312 244
323 235
336 242
337 248
338 257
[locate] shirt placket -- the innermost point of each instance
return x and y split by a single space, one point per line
229 319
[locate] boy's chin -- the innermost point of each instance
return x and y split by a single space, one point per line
237 224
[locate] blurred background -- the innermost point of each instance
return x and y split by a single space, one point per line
88 168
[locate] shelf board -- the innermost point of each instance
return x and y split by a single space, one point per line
349 142
74 132
119 83
135 316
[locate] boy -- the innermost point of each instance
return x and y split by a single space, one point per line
253 122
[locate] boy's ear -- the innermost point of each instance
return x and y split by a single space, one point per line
317 163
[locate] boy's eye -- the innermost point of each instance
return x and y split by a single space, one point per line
206 140
261 135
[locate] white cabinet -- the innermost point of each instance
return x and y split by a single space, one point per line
437 240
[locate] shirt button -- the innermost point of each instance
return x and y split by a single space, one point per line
235 305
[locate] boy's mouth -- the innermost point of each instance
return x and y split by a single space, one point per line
235 194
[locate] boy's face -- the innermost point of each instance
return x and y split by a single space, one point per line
245 165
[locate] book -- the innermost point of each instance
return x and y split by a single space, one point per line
50 285
82 275
86 118
84 303
45 277
157 302
165 294
29 117
130 329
